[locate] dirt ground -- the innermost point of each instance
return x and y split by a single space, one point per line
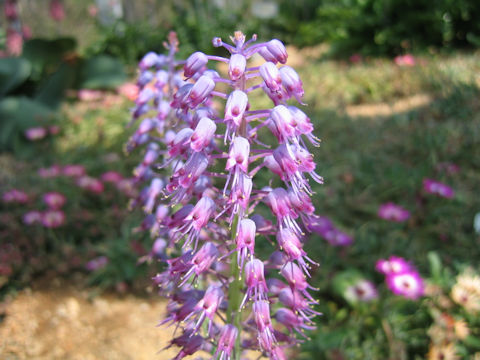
63 322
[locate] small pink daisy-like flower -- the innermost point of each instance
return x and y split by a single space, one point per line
57 10
26 32
129 90
32 217
393 265
127 186
73 170
54 129
54 200
53 218
15 196
393 212
438 188
97 263
405 60
111 176
362 291
448 167
14 42
408 284
355 58
90 184
92 10
50 172
35 133
89 95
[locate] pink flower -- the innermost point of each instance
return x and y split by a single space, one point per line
53 218
54 129
90 184
10 9
363 290
111 176
26 32
438 188
127 186
97 263
89 95
393 212
129 90
32 217
405 60
54 200
15 196
52 171
73 170
57 10
92 10
393 265
14 42
355 58
448 167
408 284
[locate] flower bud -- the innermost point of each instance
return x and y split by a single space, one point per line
236 105
194 63
277 49
203 134
236 66
271 76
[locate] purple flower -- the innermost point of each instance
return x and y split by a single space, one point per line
438 188
35 133
255 281
53 171
111 176
54 200
53 218
97 263
392 212
90 184
195 63
203 134
32 217
236 66
73 170
271 76
203 163
226 342
15 196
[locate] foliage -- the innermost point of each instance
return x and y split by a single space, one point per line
392 26
33 85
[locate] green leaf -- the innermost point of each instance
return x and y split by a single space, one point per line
13 72
45 55
52 89
435 265
102 72
18 114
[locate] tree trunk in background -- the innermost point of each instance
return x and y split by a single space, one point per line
129 11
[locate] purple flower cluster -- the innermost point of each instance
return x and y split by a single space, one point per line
204 211
402 277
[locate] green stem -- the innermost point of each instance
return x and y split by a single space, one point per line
234 293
